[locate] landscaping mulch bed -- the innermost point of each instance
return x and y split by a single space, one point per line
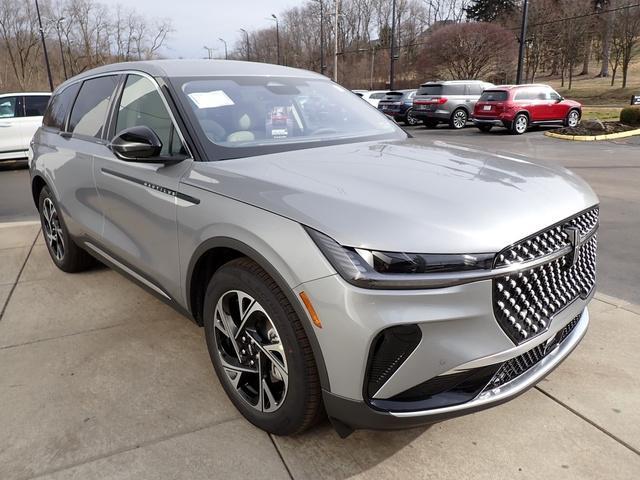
583 130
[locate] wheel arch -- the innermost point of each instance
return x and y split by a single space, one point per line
37 184
216 252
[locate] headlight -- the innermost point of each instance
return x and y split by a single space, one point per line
376 269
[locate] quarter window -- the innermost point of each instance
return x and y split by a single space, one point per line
90 109
59 106
142 105
35 105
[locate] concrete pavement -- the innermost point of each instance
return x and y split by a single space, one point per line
100 380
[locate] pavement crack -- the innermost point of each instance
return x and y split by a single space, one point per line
40 340
275 445
13 287
589 421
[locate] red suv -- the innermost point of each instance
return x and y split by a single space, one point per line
516 107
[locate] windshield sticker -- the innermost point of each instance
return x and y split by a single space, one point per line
279 122
213 99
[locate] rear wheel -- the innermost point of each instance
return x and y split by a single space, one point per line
573 119
259 350
411 119
67 256
459 119
485 128
520 124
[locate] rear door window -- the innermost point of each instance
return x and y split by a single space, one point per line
527 94
454 89
430 90
35 105
11 107
90 108
494 96
474 89
59 106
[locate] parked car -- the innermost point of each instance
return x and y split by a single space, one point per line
399 106
20 117
374 96
449 102
516 107
282 228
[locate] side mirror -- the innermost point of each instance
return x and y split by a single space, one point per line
137 144
559 99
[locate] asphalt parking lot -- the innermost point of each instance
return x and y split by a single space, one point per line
100 380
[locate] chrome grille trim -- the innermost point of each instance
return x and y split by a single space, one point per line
548 274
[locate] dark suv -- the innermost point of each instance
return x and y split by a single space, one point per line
399 105
516 107
449 102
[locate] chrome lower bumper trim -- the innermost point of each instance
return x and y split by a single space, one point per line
519 384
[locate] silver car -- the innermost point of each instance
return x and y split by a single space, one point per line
336 265
450 102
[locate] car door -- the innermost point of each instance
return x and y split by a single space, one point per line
12 128
558 109
139 199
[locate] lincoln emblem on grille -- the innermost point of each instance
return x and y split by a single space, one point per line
576 242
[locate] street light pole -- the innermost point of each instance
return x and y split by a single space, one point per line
321 36
64 65
277 36
44 47
248 45
226 53
209 52
523 38
393 46
335 53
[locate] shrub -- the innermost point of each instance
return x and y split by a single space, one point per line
630 116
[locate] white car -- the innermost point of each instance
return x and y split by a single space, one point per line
373 96
20 117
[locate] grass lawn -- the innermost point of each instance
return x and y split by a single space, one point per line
601 113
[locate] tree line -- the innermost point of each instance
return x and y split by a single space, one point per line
435 39
80 34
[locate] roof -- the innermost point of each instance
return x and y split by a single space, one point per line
523 85
451 82
199 68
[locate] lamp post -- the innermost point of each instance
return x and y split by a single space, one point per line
209 52
64 65
226 53
392 55
277 36
248 45
335 51
44 47
321 36
523 36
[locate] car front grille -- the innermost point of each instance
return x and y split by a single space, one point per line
511 369
525 301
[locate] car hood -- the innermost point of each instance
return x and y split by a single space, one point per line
402 196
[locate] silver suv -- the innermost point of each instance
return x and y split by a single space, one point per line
449 102
335 264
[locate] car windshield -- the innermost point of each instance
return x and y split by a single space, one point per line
243 116
494 96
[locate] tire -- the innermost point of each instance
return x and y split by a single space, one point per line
273 338
64 252
573 118
430 123
459 119
485 128
520 124
410 120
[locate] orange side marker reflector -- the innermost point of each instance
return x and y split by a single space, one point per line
310 309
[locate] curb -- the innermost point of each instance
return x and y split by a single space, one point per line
594 138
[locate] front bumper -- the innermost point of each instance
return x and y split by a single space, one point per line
349 414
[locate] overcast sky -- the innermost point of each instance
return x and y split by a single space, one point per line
201 22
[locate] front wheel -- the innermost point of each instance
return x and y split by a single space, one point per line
573 119
520 124
411 119
459 119
259 350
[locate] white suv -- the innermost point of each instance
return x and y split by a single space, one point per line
20 117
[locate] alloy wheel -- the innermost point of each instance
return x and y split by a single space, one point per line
52 229
411 118
573 119
521 124
250 351
459 119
